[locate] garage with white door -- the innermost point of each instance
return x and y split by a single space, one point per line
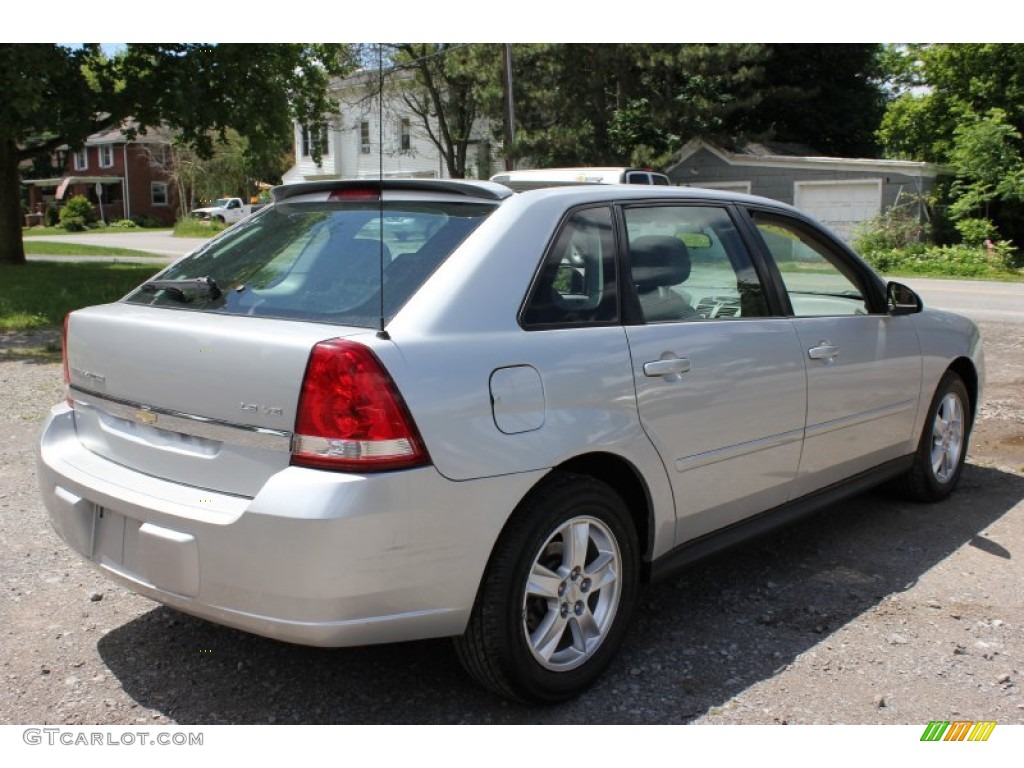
842 192
840 205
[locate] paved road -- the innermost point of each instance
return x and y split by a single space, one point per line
161 241
979 300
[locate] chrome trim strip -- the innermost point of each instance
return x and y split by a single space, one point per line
859 418
735 451
187 423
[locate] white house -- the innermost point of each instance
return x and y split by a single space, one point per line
357 145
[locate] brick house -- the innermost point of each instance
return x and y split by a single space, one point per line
123 178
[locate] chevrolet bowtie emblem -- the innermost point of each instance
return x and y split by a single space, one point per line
145 417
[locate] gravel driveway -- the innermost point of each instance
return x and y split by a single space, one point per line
874 611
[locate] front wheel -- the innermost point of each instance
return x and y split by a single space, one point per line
940 455
557 595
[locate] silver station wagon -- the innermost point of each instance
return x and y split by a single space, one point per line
376 412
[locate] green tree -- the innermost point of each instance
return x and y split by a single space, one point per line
963 105
828 96
56 95
639 103
450 80
939 86
986 153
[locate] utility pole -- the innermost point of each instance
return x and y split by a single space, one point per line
510 110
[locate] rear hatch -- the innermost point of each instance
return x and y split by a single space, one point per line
202 400
195 377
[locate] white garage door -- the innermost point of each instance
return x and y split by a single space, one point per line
840 205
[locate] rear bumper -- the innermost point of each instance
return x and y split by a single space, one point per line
317 558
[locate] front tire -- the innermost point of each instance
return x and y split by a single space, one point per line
943 447
557 595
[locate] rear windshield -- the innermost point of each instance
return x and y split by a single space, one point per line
319 261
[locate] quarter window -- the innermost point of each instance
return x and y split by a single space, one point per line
688 263
818 281
576 284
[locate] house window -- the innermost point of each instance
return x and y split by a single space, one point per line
81 159
364 137
405 135
106 152
158 193
311 137
161 156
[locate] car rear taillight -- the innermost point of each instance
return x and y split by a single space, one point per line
351 416
64 359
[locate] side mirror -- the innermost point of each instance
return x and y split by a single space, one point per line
902 300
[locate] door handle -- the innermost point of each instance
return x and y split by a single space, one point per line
667 367
824 351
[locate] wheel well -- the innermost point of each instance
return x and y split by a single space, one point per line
624 478
964 368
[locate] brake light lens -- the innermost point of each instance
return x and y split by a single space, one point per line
350 194
64 359
351 416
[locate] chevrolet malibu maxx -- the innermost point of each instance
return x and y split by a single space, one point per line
496 426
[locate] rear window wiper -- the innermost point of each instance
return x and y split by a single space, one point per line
177 288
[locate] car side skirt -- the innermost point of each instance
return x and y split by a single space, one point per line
690 552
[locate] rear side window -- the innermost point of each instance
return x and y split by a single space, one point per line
689 263
321 261
576 284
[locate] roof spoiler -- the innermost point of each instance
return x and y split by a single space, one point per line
477 189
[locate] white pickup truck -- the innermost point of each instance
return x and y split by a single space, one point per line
226 210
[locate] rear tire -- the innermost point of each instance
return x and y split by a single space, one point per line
940 455
556 599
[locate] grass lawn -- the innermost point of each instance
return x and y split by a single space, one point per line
27 232
197 228
39 294
71 249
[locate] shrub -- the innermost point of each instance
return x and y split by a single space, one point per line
946 260
896 228
976 231
77 214
147 222
51 216
123 224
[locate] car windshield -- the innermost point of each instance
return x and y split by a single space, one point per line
318 261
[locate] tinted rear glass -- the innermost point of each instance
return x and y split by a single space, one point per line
321 261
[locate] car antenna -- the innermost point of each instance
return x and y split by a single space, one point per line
381 332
